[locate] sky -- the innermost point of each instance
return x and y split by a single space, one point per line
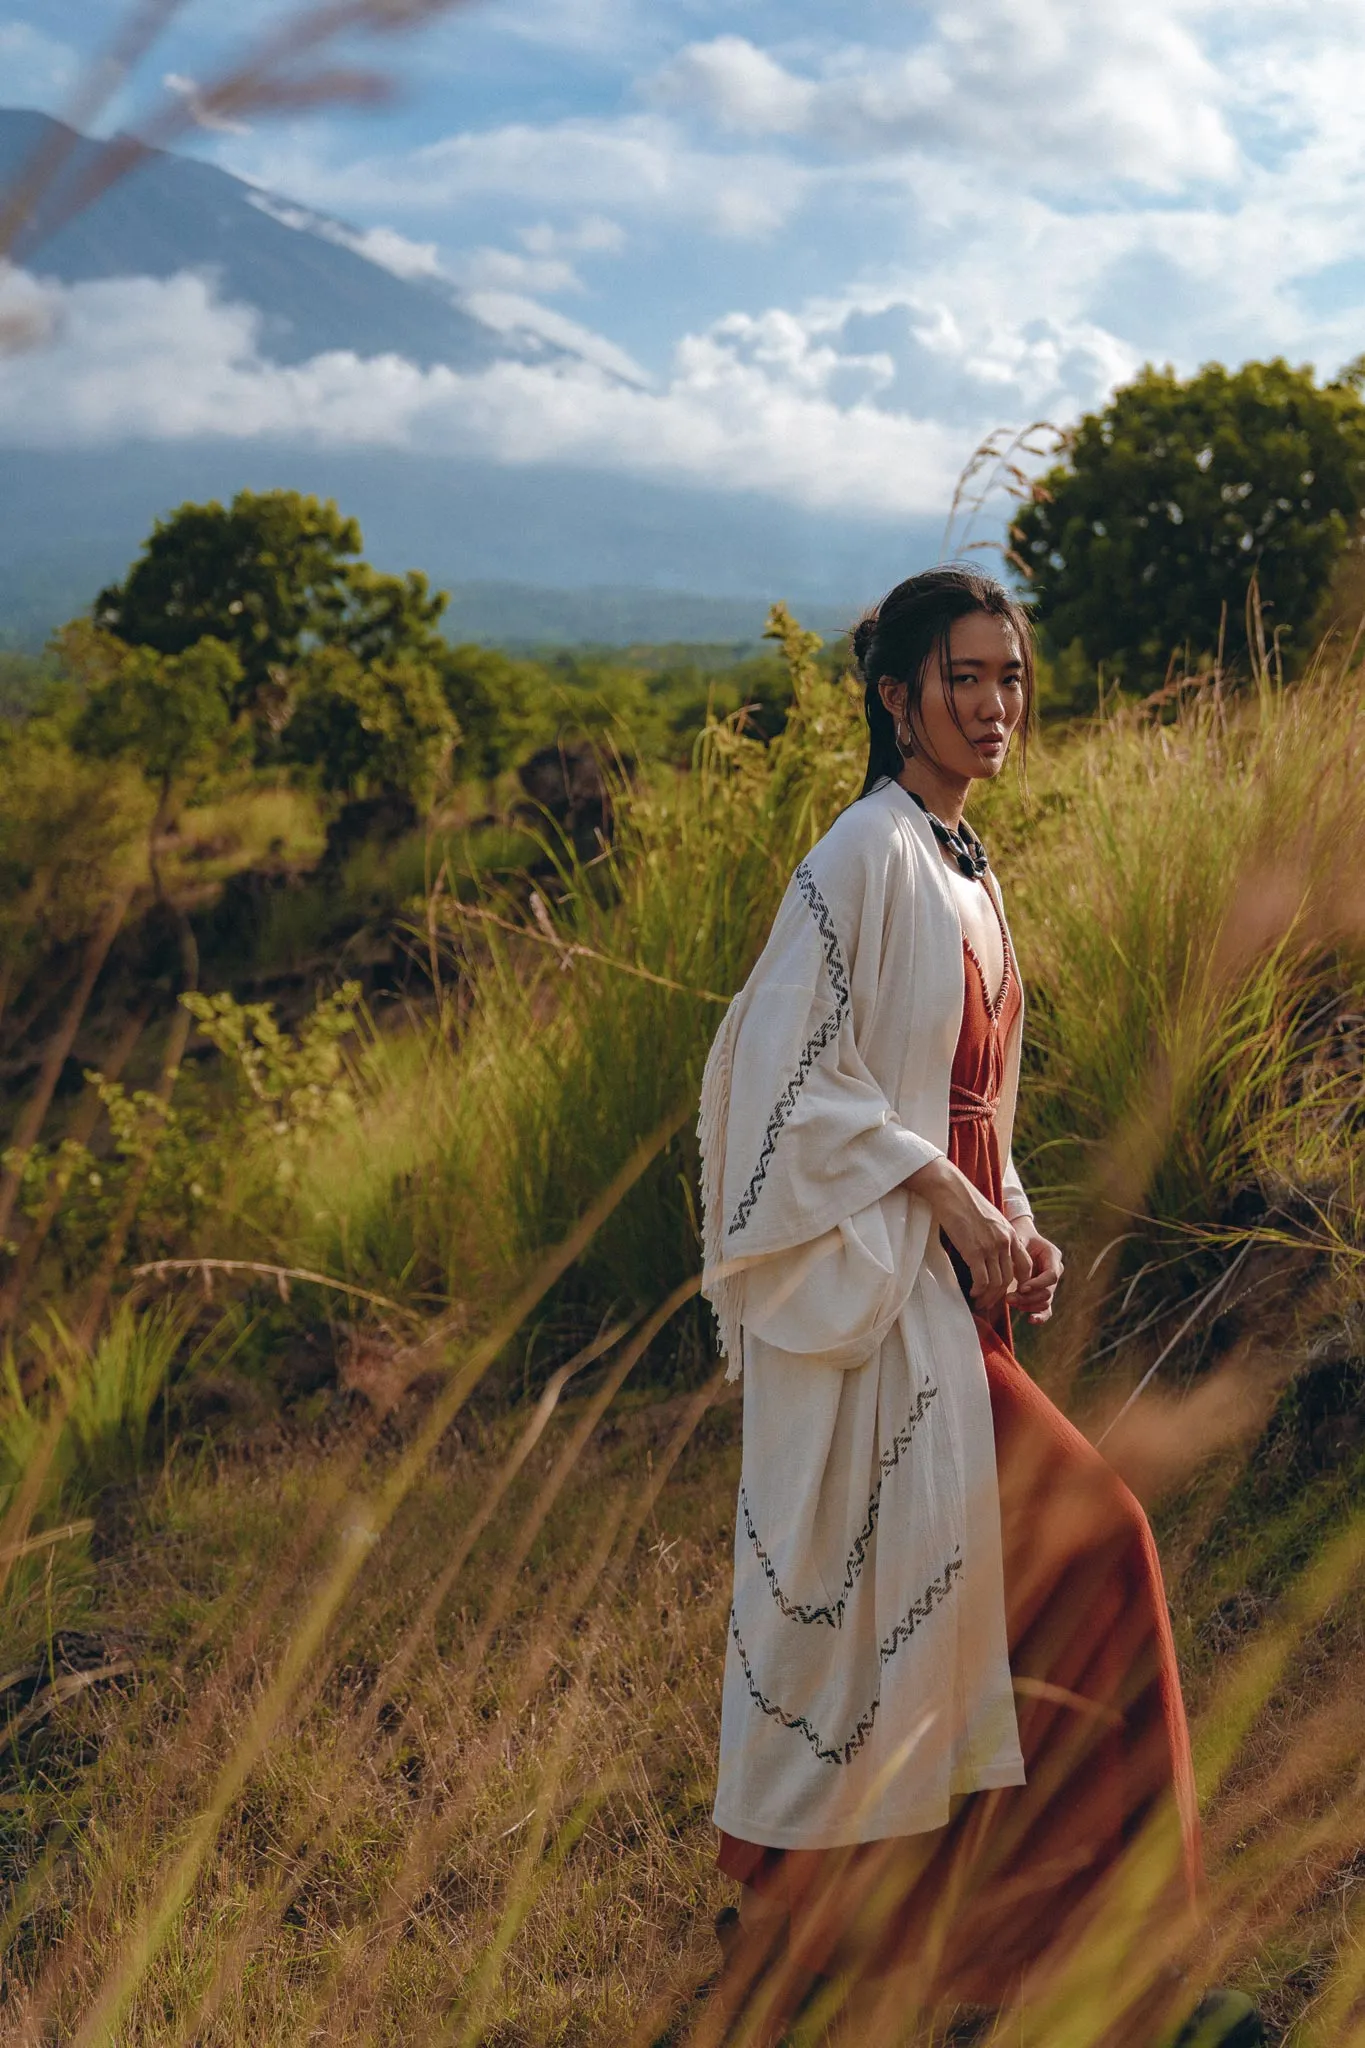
813 252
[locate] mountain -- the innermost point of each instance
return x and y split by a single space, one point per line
313 289
616 615
561 554
529 551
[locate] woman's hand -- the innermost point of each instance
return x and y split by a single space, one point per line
990 1244
1034 1298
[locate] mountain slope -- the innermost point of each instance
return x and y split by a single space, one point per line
313 292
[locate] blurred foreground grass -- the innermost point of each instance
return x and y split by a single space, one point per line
484 1815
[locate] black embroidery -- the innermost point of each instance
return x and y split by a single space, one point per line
935 1593
812 1049
888 1461
819 910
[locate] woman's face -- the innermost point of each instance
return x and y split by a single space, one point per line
967 717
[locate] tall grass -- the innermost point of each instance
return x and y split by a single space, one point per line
1193 958
568 1037
421 1741
482 1812
1191 941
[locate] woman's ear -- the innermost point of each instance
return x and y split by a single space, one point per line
892 695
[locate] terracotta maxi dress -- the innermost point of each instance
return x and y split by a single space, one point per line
1012 1880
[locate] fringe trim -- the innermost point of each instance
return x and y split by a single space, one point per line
720 1283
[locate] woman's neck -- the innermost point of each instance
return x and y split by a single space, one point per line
946 795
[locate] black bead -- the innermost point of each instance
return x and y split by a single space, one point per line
965 847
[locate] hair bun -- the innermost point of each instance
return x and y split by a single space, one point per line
863 635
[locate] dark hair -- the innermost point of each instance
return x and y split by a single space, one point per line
894 641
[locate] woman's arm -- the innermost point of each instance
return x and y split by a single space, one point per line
991 1245
1007 1256
1034 1298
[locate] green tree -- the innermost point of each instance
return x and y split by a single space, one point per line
1176 494
169 714
372 729
272 576
500 705
67 827
384 618
26 682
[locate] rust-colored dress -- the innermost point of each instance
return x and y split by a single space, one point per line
981 1905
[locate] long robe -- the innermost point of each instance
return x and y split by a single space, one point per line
867 1679
998 1899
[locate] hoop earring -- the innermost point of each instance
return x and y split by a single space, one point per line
905 739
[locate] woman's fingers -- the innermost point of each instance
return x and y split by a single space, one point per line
1002 1265
993 1277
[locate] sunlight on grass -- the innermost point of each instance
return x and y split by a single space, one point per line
415 1731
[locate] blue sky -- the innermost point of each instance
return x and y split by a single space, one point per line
812 251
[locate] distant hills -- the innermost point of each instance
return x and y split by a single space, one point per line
615 616
530 552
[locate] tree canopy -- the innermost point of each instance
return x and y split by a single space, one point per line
1169 500
374 728
271 576
497 701
170 714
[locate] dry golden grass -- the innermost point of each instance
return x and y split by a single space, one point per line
486 1821
483 1814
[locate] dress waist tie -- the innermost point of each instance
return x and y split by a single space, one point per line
965 1106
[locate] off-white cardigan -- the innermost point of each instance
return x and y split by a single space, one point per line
867 1677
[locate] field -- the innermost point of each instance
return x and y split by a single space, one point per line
367 1542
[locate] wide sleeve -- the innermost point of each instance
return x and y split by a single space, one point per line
813 1220
837 1297
1014 1199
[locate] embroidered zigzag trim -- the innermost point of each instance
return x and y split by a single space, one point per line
810 1051
819 910
935 1593
833 1616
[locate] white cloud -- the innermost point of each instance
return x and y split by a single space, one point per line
29 312
738 85
395 252
543 270
638 163
34 66
1123 92
593 235
999 221
507 270
385 246
523 320
751 405
541 267
594 26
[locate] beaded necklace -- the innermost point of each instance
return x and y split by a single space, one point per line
964 846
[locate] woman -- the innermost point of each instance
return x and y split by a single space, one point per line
951 1700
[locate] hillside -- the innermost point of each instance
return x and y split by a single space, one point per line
369 1571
